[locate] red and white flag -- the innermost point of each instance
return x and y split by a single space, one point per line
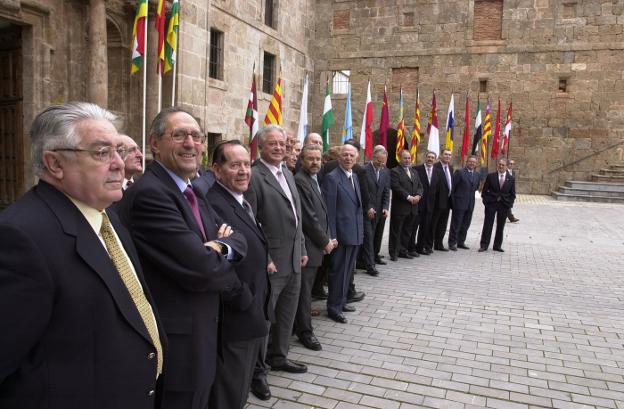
366 133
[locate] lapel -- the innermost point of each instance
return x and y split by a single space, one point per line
346 186
240 212
315 191
92 252
183 204
270 179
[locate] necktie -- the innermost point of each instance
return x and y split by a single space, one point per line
428 173
282 182
501 181
247 208
192 199
122 264
448 177
316 183
409 175
377 174
351 181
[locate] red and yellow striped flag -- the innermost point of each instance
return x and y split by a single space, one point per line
274 113
487 132
160 28
416 132
400 141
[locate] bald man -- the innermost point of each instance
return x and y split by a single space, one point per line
134 161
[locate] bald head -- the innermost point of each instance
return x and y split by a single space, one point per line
134 161
313 139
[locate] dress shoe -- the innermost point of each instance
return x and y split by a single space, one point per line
482 249
428 251
514 220
348 308
393 258
360 266
314 312
309 341
260 388
290 366
498 249
380 261
339 318
319 295
423 252
355 297
440 248
405 255
463 246
453 248
372 272
414 253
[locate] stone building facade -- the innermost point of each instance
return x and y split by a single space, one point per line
559 61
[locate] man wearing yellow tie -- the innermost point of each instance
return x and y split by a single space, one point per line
80 327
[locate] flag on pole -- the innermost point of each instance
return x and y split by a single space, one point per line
251 117
328 118
160 28
466 136
496 141
507 132
487 132
432 128
400 141
477 129
138 36
274 113
384 121
450 125
366 133
347 129
416 132
171 44
302 131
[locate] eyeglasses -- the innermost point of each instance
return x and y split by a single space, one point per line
180 135
105 154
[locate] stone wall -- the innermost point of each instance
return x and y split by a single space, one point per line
543 42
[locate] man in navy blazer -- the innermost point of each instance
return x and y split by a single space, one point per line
498 194
341 190
443 202
378 182
423 243
188 255
465 184
243 331
73 336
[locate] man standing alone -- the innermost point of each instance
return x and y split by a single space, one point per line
499 193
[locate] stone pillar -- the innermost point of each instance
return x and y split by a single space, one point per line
97 88
150 65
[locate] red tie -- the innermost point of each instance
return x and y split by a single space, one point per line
192 199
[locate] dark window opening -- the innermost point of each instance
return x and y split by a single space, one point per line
215 64
563 85
268 73
483 85
269 13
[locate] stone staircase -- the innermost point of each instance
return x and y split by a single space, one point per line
607 186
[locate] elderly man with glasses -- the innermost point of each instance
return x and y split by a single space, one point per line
188 255
80 326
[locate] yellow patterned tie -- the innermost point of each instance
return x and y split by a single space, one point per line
122 263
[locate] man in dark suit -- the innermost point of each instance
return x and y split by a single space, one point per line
204 180
133 165
317 241
243 331
377 178
498 195
423 243
406 193
187 252
443 202
274 198
341 190
465 184
79 323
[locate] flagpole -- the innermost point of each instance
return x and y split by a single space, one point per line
175 64
144 86
509 138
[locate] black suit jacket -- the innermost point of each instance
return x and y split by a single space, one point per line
403 186
465 184
492 193
252 322
442 198
427 202
314 215
378 190
185 278
73 337
204 181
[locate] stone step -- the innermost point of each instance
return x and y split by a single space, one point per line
590 192
612 171
583 198
597 186
607 178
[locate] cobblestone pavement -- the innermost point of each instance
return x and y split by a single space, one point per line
541 325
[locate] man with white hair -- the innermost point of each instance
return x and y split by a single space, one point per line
133 163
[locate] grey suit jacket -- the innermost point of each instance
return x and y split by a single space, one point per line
315 221
273 210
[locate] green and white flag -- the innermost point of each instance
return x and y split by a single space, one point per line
328 118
